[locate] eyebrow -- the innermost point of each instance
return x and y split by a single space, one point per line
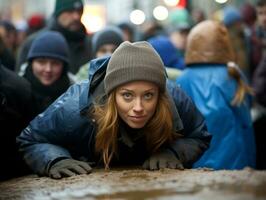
133 91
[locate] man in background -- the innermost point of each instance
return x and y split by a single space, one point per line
67 21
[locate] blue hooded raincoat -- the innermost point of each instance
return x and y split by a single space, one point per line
212 90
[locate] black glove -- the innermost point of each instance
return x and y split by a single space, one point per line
68 167
163 159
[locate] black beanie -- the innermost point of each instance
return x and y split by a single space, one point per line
109 35
63 5
50 44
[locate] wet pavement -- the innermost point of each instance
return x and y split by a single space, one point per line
137 184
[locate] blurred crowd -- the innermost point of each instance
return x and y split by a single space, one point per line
41 58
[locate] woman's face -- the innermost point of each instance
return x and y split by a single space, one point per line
136 102
47 70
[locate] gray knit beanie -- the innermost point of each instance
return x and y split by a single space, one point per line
134 62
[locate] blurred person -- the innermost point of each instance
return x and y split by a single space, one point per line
126 113
47 67
234 22
261 27
151 29
248 13
178 28
8 34
104 43
178 36
173 62
6 57
254 45
259 112
197 16
220 91
22 31
16 111
167 51
128 31
261 15
35 23
67 21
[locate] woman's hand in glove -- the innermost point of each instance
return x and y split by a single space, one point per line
163 159
68 167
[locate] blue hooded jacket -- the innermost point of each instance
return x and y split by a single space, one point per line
64 130
212 90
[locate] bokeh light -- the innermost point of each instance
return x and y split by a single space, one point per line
160 13
171 2
137 17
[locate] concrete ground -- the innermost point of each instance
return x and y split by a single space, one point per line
140 184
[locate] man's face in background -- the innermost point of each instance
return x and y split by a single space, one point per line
71 19
261 16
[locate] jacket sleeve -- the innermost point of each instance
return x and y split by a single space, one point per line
196 138
49 135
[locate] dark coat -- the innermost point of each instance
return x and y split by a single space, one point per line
46 95
16 111
259 82
79 46
63 131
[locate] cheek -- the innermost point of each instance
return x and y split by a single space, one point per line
57 71
122 107
151 108
63 19
37 70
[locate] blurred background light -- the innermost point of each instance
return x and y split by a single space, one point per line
93 18
137 17
160 13
171 2
221 1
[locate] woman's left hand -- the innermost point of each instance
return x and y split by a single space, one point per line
163 159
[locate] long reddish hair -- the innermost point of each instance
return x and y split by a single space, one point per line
242 87
158 131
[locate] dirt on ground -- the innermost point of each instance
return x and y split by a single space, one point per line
140 184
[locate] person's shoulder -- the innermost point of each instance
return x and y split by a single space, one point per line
14 86
175 90
12 80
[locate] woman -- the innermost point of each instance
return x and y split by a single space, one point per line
123 115
218 88
47 68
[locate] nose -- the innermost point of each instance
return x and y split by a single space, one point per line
138 105
76 14
48 67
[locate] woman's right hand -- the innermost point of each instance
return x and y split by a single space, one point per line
69 167
163 159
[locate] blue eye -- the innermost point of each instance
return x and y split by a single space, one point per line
148 96
127 95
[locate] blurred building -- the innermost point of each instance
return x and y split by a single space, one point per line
98 13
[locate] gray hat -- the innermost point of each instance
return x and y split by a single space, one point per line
109 35
134 62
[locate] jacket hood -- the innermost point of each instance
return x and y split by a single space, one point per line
209 42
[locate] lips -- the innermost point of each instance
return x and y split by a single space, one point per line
137 118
